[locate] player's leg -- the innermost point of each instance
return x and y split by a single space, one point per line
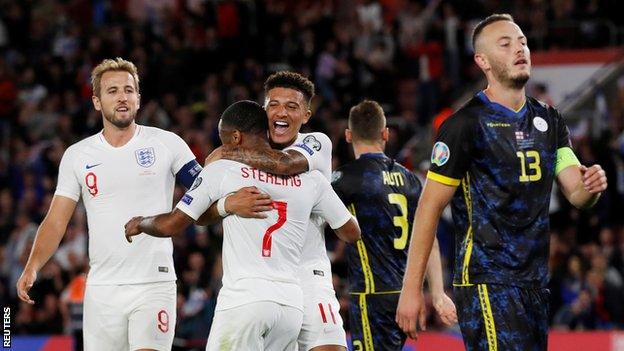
373 326
322 328
242 327
498 317
151 324
284 329
105 321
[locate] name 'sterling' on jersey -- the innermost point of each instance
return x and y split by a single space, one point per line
251 172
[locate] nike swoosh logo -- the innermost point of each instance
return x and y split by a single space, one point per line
91 166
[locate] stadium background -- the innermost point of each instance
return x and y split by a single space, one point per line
196 57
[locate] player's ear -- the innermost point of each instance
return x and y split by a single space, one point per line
348 135
138 101
482 61
307 115
237 137
385 134
96 103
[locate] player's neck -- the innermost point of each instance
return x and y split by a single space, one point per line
513 99
118 137
360 148
257 142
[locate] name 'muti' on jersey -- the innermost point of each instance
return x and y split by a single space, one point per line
383 195
116 184
261 256
504 163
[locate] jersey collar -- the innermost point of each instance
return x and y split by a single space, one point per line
500 108
374 155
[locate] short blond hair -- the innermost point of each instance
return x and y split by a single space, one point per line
118 64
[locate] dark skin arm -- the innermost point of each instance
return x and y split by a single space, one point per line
268 160
349 232
163 225
247 202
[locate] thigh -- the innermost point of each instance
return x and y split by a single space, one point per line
241 328
322 323
498 317
372 321
105 323
151 324
284 329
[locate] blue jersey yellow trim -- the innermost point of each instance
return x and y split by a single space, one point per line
443 179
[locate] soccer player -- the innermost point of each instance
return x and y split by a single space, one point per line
383 196
260 306
287 103
503 150
130 297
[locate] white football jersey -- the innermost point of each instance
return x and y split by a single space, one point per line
315 265
116 184
261 256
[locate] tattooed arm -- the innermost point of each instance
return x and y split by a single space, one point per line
288 162
163 225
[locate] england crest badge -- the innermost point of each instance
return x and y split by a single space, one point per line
145 157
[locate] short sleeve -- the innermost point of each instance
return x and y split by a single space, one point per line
67 184
451 152
317 149
563 133
205 190
329 206
180 151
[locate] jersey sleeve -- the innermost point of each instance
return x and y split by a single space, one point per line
329 206
451 153
68 184
565 154
180 152
317 149
563 133
337 183
205 190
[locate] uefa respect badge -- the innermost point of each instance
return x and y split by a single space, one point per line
440 154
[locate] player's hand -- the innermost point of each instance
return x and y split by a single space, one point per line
594 179
132 228
24 283
249 202
215 155
411 312
445 308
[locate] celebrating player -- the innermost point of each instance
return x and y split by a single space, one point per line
130 298
287 103
383 196
503 149
260 306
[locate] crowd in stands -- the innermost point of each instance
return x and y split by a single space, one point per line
197 57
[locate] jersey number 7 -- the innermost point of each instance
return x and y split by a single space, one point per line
267 240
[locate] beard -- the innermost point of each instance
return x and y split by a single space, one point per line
503 75
119 123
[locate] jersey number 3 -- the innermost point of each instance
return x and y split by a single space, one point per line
401 220
267 240
533 159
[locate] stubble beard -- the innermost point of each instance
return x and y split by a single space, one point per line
505 78
119 123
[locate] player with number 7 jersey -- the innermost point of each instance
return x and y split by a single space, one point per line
260 306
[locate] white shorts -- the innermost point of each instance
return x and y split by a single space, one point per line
129 316
263 325
322 323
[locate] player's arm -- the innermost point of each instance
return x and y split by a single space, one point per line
288 162
443 304
163 225
350 231
434 198
581 185
47 240
329 206
248 202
